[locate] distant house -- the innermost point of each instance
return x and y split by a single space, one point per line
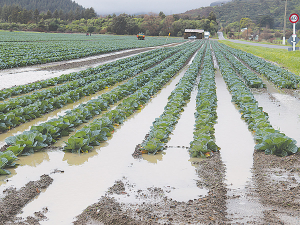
193 32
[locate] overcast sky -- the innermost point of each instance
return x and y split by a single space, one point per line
104 7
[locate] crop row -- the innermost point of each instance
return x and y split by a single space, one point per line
164 125
47 133
20 115
277 75
251 79
268 139
16 54
115 66
100 129
203 143
25 100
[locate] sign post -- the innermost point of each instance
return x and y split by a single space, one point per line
294 18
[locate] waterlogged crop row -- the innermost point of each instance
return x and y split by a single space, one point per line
268 139
112 67
203 143
100 129
164 125
47 133
141 62
277 75
250 78
18 53
21 115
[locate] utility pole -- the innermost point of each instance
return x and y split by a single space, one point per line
284 22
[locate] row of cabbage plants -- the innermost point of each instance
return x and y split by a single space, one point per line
267 138
23 114
18 53
251 79
47 133
203 144
165 123
97 131
277 75
142 63
113 67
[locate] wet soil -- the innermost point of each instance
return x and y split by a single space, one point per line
76 64
209 209
15 200
275 183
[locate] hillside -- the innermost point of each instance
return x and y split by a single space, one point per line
44 5
237 9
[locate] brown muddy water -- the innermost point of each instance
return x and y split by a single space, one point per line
86 177
237 148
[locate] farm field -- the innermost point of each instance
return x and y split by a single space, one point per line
218 128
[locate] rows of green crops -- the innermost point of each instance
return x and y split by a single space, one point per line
267 138
23 49
148 73
139 89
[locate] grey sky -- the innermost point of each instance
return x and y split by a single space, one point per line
103 7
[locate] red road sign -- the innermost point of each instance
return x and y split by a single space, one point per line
294 18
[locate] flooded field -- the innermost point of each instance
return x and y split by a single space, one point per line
170 179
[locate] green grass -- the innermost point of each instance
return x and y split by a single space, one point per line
289 60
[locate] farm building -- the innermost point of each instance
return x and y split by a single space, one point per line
193 32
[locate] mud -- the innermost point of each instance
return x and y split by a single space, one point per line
15 200
275 184
82 63
161 209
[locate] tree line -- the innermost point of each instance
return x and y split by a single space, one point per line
17 14
86 20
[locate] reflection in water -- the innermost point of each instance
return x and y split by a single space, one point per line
154 158
74 159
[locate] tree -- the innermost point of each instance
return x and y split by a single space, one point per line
161 15
55 14
265 21
91 29
151 25
212 16
119 24
245 22
36 15
89 13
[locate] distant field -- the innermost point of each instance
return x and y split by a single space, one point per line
29 48
289 60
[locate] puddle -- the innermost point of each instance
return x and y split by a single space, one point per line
233 137
87 177
284 112
237 147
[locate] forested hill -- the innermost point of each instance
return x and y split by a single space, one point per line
44 5
235 10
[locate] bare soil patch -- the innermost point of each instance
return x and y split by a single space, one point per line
15 200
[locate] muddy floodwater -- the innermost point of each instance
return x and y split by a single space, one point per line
171 170
80 180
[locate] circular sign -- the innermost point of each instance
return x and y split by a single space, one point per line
294 18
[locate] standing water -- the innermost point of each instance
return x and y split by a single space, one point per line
237 147
87 177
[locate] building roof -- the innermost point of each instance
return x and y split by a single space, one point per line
193 31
